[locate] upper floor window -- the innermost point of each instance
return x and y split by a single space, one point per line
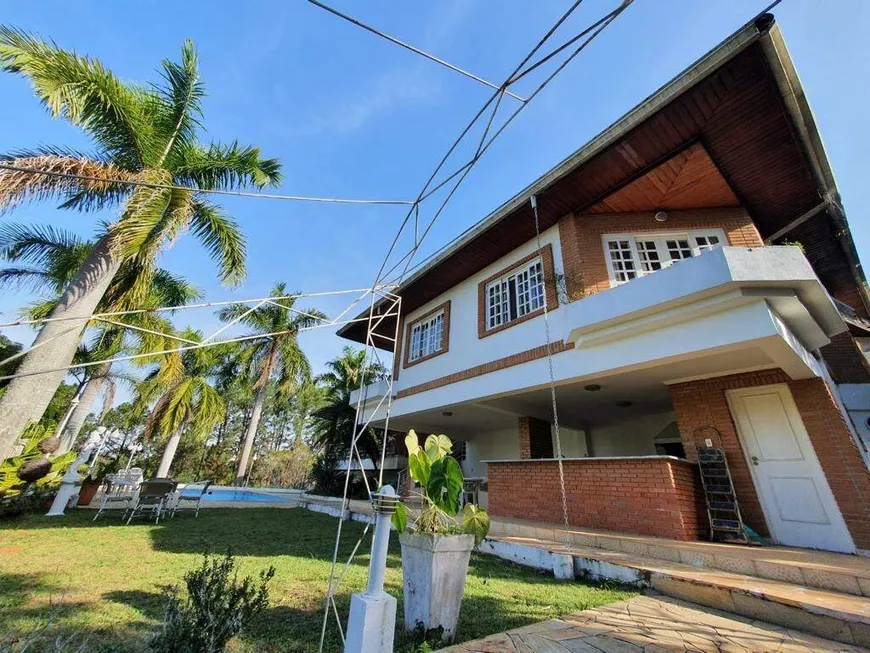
635 255
428 335
514 295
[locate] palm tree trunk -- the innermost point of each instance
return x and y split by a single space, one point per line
27 397
168 454
257 410
93 387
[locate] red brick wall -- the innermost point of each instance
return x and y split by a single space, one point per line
651 496
702 403
536 438
845 360
583 252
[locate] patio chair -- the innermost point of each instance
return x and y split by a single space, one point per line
153 497
120 491
190 497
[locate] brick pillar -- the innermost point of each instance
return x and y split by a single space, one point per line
536 439
523 432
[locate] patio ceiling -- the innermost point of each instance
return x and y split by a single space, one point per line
579 408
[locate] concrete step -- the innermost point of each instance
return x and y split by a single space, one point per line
833 615
848 574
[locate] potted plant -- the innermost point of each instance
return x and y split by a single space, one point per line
436 540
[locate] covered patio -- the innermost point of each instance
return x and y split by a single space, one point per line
643 373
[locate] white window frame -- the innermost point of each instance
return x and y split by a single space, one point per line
502 307
698 241
426 337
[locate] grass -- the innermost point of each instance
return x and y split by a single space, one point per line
104 582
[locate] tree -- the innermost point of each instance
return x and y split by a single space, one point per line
146 134
46 259
277 356
335 421
185 403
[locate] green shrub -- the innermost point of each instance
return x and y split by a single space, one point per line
217 608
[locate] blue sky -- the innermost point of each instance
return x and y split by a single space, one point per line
351 115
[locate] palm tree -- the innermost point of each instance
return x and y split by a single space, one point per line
46 259
146 134
276 357
335 420
185 402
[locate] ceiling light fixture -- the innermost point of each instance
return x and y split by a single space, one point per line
592 387
661 216
623 404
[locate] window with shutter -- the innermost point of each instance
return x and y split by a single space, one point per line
518 293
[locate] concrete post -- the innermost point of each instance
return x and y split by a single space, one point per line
69 484
372 623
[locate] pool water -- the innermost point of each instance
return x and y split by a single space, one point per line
242 495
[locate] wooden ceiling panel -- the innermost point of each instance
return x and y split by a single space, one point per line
688 180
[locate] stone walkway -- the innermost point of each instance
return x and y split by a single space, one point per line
652 624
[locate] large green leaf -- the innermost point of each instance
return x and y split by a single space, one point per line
475 521
438 446
400 518
445 485
420 468
412 443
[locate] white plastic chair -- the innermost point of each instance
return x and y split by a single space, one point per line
121 488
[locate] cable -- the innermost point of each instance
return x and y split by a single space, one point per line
601 25
410 47
212 191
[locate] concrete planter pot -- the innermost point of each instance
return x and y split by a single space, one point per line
433 572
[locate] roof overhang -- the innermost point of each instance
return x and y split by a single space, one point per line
748 82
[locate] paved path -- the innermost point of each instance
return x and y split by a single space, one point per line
648 624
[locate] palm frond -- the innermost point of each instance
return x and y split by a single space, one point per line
182 96
39 309
27 279
208 410
224 167
174 290
81 90
222 238
17 187
143 212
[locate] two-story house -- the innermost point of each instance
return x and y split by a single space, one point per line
700 286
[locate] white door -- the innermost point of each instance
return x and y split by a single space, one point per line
797 501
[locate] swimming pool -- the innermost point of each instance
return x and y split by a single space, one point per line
247 496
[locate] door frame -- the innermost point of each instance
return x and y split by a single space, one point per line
792 412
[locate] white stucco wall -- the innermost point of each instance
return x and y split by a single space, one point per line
489 445
466 349
631 437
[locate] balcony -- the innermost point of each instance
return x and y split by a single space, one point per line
729 310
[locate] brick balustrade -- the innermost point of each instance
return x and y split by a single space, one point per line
655 495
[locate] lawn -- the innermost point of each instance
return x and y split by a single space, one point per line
105 581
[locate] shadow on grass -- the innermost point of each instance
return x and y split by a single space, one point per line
284 629
245 532
150 605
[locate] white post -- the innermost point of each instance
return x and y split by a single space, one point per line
69 484
372 623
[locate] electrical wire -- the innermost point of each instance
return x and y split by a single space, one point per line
207 191
410 47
